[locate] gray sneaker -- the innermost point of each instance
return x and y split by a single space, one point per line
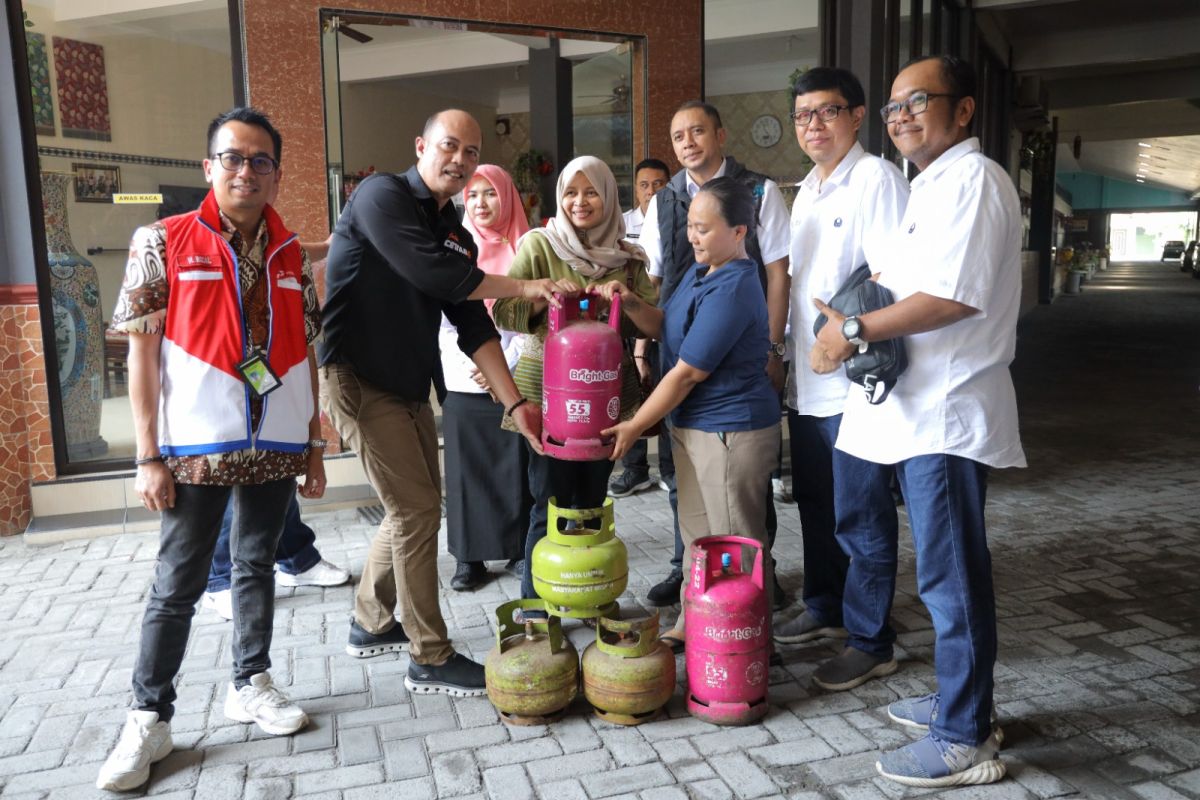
852 667
806 628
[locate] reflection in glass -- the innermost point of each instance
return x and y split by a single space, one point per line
126 94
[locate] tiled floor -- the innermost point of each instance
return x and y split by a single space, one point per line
1097 557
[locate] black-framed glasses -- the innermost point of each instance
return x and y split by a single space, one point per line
824 113
916 103
232 161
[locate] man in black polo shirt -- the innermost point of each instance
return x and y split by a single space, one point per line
398 259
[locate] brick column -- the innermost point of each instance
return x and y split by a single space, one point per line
26 450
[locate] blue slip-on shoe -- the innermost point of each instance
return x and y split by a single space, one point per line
933 762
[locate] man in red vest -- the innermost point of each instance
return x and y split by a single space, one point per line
221 311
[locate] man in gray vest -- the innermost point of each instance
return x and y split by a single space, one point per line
698 137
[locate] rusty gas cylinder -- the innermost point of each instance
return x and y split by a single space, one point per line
628 674
532 674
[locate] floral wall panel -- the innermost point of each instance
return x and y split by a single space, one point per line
82 89
39 83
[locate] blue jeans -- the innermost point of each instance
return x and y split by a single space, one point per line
825 563
185 548
296 552
573 484
945 496
867 530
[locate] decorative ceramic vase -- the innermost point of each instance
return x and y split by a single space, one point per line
78 325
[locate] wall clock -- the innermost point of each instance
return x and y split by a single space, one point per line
766 131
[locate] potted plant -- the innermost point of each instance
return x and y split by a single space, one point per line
527 171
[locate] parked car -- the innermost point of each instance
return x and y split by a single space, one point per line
1190 262
1172 249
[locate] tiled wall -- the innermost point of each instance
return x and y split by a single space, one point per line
784 161
26 451
283 68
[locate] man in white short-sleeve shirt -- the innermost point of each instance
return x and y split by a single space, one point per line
954 268
846 207
698 137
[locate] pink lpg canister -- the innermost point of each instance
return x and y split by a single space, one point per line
581 380
728 631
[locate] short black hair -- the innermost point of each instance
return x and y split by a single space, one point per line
734 200
249 116
957 73
708 108
651 163
830 79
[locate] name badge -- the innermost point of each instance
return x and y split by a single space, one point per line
257 374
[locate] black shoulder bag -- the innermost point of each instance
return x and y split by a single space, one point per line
877 367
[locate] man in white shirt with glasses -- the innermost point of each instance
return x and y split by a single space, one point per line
954 267
845 209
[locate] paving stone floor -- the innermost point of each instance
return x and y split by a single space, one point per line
1098 682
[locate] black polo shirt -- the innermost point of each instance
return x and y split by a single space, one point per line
396 263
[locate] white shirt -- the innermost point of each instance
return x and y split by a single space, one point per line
458 366
772 225
960 239
837 225
633 223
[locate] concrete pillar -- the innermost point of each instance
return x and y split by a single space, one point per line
550 115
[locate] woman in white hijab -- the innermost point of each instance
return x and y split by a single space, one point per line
582 244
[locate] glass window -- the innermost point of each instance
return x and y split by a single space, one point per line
751 53
121 102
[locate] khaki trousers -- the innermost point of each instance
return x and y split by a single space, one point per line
721 479
397 442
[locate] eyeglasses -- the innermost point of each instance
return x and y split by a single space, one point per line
825 113
263 165
916 103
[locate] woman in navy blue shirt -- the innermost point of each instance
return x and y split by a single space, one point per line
714 341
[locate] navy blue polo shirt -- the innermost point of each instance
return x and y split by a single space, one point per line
718 323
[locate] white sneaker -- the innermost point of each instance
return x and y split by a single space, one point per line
144 741
220 602
262 703
321 574
780 491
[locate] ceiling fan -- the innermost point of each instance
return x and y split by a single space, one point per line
618 99
342 27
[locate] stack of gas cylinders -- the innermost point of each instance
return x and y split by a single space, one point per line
580 569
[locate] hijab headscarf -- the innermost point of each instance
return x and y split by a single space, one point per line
603 251
498 243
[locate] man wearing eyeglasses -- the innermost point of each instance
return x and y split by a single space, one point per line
953 265
846 207
400 258
221 311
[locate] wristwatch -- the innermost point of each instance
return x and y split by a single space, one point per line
852 330
317 444
778 349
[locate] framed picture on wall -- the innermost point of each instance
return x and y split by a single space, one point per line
96 183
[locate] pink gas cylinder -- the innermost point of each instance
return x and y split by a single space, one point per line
581 380
726 616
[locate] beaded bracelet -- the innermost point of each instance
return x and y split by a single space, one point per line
508 411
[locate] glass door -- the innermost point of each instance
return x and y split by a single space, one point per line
602 110
331 87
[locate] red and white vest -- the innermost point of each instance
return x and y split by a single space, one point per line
205 404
